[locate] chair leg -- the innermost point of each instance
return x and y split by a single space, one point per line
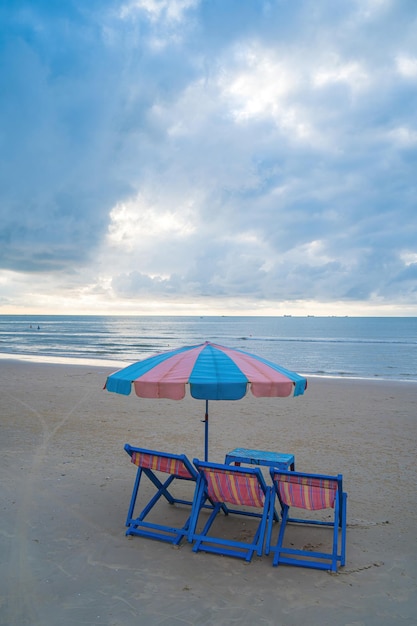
277 550
271 519
198 502
343 547
134 496
335 553
262 531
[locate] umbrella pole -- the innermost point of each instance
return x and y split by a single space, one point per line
206 433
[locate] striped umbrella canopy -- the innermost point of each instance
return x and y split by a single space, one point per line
212 372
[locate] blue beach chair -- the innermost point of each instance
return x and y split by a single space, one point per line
311 492
153 463
225 485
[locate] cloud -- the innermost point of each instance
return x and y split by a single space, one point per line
183 149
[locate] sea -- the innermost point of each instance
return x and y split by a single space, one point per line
382 348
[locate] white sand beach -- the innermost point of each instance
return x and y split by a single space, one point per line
66 484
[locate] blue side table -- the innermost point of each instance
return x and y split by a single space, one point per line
260 457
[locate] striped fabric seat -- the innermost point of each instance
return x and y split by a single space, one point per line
142 518
308 493
241 489
167 464
315 493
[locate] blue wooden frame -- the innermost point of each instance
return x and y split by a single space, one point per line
137 525
307 558
221 545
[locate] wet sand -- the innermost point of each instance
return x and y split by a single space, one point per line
66 484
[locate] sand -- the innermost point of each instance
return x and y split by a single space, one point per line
66 484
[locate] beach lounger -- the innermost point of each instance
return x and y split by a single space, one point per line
311 492
226 485
153 464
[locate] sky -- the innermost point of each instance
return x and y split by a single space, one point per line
196 157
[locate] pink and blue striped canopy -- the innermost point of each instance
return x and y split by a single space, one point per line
213 372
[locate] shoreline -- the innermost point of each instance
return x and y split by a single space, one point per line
66 485
115 365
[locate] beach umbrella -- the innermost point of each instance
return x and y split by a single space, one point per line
212 372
